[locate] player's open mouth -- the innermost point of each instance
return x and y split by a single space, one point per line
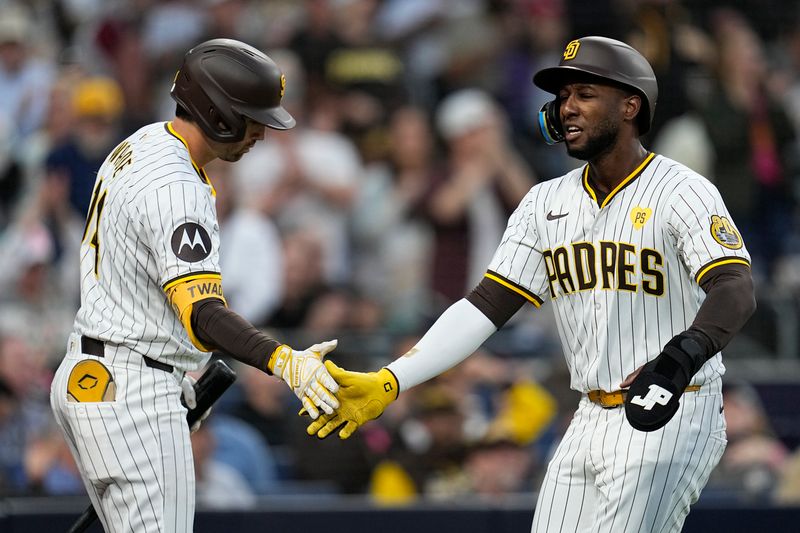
572 132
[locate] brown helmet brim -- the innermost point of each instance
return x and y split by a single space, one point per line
554 78
276 118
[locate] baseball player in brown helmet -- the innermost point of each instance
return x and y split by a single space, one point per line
649 280
152 304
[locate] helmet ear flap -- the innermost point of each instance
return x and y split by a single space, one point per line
218 122
229 128
550 122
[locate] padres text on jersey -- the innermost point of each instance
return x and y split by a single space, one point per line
622 273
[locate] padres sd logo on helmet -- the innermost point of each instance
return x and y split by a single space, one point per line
571 50
222 82
605 61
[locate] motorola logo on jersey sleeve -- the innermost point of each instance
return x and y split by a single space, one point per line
191 242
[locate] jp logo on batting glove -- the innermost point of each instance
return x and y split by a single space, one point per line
305 374
654 396
363 397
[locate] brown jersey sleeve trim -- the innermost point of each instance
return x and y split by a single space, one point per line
510 285
497 301
719 262
188 277
217 326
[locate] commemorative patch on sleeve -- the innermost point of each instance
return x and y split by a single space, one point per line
724 233
191 242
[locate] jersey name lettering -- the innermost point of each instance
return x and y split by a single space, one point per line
607 265
205 289
121 157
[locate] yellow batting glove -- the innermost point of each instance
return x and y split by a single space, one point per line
362 397
305 374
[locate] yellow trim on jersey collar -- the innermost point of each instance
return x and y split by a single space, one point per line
632 176
200 171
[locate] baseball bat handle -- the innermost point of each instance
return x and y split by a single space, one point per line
208 389
85 520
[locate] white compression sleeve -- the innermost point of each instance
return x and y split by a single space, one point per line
458 332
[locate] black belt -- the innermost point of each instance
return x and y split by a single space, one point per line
97 348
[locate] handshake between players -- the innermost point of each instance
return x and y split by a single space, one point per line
652 392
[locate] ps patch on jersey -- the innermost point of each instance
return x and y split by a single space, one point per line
724 233
639 216
191 242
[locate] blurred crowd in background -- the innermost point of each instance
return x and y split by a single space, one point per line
415 140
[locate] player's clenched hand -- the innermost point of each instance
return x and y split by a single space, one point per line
363 397
656 388
305 374
190 400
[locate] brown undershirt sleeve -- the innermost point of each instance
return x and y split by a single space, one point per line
216 325
729 302
495 301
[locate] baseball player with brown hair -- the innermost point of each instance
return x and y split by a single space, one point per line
152 305
649 280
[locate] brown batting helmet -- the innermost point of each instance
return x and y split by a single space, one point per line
224 81
608 60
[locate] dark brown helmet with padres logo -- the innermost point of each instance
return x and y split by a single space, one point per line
222 82
606 59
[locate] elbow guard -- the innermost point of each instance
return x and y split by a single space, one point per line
183 293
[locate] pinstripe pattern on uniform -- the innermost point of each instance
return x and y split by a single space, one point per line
135 455
607 334
656 231
134 452
201 173
125 305
646 483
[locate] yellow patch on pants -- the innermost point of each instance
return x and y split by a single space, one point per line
90 381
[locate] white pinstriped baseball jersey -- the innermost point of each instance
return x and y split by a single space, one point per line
623 275
151 226
152 221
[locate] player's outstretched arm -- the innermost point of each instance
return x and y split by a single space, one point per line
460 330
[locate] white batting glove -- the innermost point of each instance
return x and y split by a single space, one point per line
308 378
190 399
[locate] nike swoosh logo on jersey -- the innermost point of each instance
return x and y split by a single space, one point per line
551 216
